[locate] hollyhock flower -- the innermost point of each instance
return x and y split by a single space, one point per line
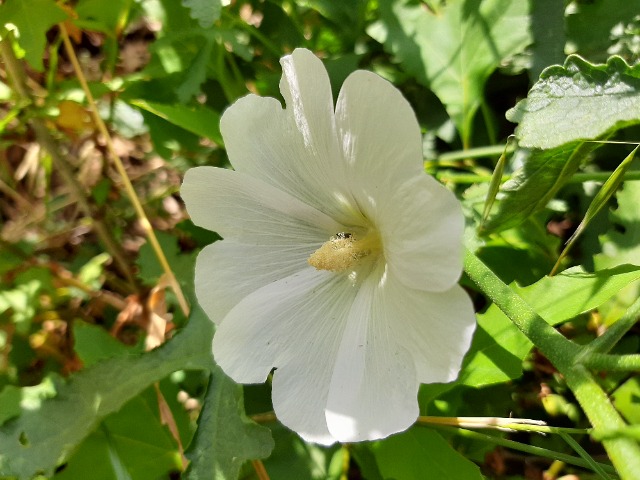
340 257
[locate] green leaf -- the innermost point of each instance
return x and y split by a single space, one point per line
292 457
621 245
130 443
627 400
454 51
93 344
35 442
578 101
101 15
225 438
204 11
603 196
422 454
498 347
33 18
199 119
9 403
533 185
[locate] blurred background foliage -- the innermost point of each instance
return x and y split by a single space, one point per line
83 295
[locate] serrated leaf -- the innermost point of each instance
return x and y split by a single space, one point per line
578 101
533 185
35 442
199 120
498 347
204 11
422 454
33 18
454 51
214 453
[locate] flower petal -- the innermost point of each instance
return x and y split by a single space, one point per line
251 211
294 325
227 272
436 327
374 389
381 140
421 227
292 152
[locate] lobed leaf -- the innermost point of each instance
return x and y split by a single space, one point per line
578 101
213 453
42 438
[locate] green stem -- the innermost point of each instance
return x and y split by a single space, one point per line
614 363
595 466
470 178
624 453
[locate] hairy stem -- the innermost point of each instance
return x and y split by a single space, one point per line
624 452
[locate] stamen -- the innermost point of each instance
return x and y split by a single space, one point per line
344 251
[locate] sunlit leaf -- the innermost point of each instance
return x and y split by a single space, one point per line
422 454
498 347
199 120
35 442
621 245
533 185
599 201
33 18
454 51
578 101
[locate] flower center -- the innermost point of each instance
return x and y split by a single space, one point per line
344 251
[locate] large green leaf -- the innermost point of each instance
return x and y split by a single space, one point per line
130 443
498 347
454 51
33 18
422 454
543 173
35 442
213 453
578 101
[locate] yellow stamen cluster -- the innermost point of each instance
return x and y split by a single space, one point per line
343 251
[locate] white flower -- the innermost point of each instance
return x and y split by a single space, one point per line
340 258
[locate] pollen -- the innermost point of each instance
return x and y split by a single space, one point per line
344 251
